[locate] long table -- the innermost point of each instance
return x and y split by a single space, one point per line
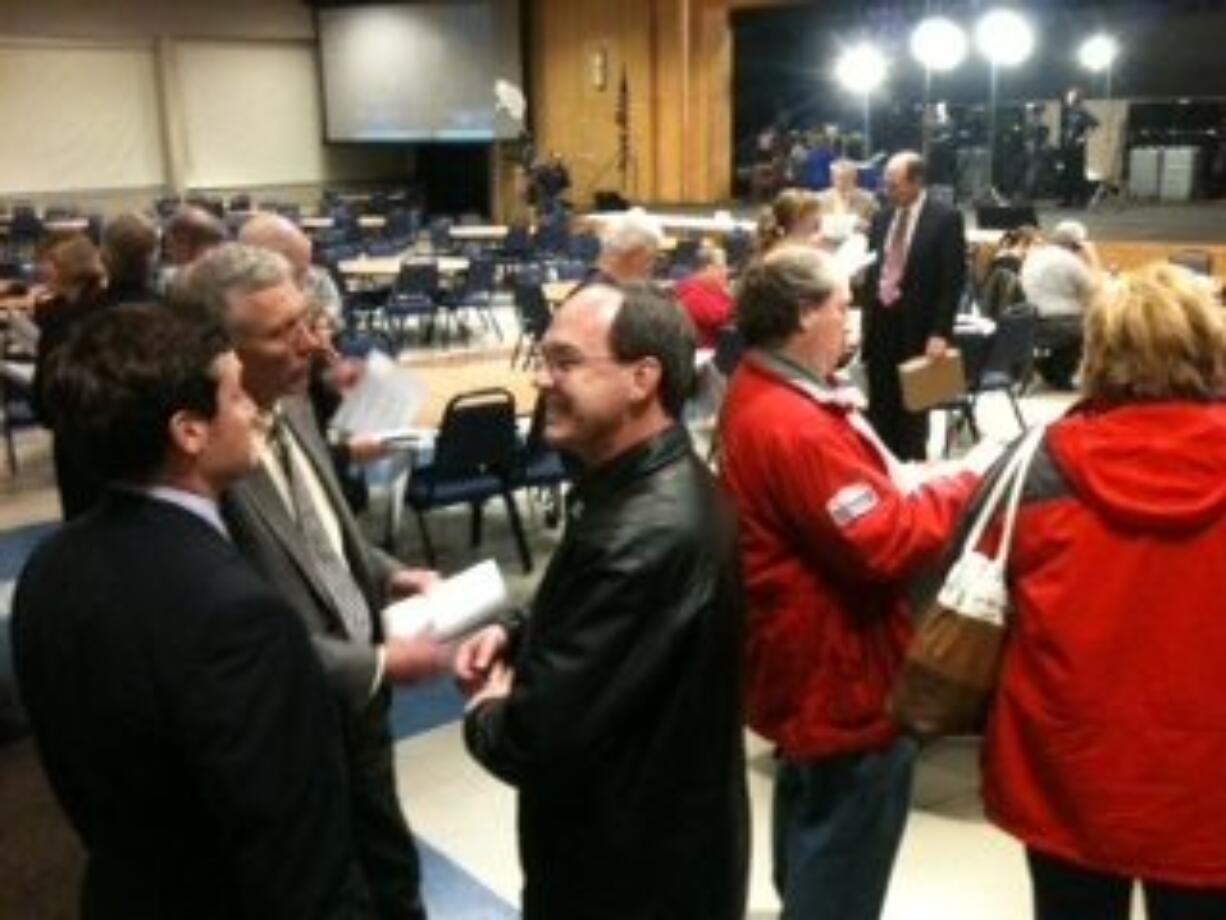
389 266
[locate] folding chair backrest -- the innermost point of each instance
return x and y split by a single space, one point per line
477 435
534 313
482 274
1012 350
418 278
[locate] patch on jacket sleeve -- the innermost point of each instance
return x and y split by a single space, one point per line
852 502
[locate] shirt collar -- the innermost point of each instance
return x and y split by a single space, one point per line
191 502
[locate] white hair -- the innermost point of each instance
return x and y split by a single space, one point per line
1069 233
631 231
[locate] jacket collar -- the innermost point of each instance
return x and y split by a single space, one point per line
835 391
600 483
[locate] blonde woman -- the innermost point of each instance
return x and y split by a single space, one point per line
794 216
1105 746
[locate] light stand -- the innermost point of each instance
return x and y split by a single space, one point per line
860 70
1006 39
939 45
1097 54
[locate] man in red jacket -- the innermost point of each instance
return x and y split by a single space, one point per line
830 531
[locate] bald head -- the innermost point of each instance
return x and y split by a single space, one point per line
276 234
904 177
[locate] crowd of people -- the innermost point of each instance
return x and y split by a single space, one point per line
218 734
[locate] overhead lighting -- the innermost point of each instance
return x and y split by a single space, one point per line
1098 53
861 68
1004 37
939 44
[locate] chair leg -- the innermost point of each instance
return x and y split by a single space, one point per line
1017 410
426 546
517 527
475 522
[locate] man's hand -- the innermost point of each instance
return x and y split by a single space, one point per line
404 582
478 656
935 347
366 448
497 686
409 661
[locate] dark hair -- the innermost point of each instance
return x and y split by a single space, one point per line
128 244
650 325
121 377
773 292
190 232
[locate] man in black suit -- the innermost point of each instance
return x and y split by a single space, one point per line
183 720
290 519
914 288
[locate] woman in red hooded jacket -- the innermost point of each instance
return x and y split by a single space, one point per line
1106 745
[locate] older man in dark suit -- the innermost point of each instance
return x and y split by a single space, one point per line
914 289
290 519
183 720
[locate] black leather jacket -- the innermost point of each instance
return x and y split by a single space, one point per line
623 728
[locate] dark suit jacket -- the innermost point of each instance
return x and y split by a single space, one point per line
266 534
932 283
184 723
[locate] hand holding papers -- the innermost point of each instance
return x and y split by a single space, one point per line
452 608
384 399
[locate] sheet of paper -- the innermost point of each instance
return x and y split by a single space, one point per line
853 254
451 609
386 398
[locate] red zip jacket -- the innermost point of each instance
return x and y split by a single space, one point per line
1107 742
827 542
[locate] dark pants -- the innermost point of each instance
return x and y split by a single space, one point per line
837 823
905 433
1064 891
1074 189
384 843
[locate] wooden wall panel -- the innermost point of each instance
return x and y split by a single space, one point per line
675 55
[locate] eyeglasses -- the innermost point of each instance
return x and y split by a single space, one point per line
559 363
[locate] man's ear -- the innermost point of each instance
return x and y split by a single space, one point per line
189 432
645 379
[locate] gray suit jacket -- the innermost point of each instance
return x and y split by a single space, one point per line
268 537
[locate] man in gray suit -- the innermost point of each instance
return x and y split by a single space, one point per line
291 521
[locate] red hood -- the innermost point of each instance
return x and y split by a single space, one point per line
1147 466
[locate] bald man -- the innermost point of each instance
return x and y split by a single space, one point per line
914 289
271 231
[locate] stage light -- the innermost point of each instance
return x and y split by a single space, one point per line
1098 53
1004 37
861 69
939 44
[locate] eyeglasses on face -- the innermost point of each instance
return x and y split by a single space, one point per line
563 361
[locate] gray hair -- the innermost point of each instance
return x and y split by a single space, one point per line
207 284
631 231
775 291
1071 234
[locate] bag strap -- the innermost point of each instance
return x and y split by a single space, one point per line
1025 453
1014 473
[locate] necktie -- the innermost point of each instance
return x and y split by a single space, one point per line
331 569
889 291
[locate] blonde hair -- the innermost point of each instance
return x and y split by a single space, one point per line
790 207
1154 334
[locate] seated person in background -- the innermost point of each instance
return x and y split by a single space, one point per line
846 200
190 233
705 296
628 249
794 215
129 247
184 722
1060 279
1003 286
